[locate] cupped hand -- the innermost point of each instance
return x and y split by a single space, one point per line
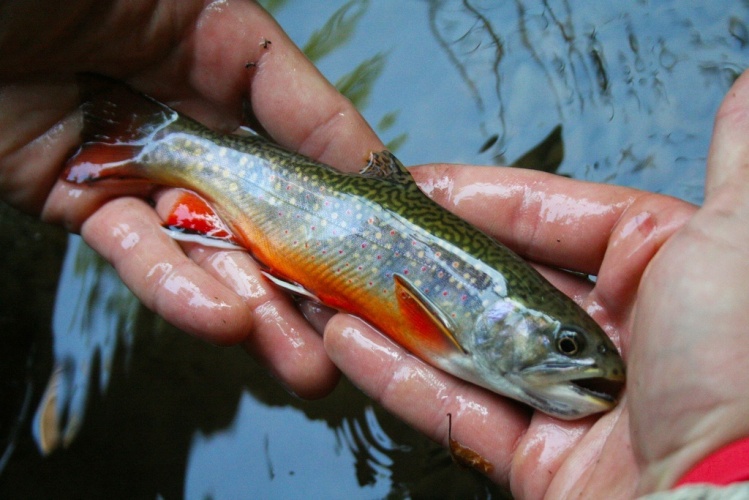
224 63
671 292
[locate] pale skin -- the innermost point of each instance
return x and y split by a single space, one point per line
671 287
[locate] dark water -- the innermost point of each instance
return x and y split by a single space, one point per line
617 94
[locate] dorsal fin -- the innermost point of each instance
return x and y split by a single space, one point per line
384 165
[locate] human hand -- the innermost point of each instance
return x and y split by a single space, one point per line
207 60
671 291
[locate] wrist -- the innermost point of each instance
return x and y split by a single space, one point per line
726 465
706 440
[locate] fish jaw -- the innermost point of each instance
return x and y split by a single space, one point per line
573 394
565 394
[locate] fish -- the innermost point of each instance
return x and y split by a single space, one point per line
371 244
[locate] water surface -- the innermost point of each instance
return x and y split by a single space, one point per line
621 94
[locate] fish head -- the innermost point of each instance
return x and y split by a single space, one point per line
562 364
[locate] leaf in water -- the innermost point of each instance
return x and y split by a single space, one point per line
546 156
336 31
395 143
387 121
94 314
738 30
491 141
357 84
273 6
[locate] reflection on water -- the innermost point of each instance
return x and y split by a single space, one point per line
288 454
612 93
634 85
93 313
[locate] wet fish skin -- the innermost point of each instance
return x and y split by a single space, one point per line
371 244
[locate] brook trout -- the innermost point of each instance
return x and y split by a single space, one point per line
371 244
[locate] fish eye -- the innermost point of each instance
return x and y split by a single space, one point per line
569 342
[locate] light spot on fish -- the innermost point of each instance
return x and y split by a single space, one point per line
501 289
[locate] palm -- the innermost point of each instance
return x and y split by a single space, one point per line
192 54
670 290
520 443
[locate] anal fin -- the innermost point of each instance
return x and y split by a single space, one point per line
291 287
191 218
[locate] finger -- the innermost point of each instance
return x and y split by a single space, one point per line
729 148
280 338
543 217
36 132
126 233
290 99
535 457
422 396
217 296
639 234
577 459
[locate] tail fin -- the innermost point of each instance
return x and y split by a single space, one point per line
117 123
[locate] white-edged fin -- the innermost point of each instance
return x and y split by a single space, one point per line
291 287
202 239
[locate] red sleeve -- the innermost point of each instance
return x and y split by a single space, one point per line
726 465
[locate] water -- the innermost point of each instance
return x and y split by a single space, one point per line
622 94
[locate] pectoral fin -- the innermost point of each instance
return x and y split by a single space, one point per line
433 330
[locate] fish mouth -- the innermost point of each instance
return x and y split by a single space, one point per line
603 388
573 395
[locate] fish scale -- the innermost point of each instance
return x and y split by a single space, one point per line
292 206
371 244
